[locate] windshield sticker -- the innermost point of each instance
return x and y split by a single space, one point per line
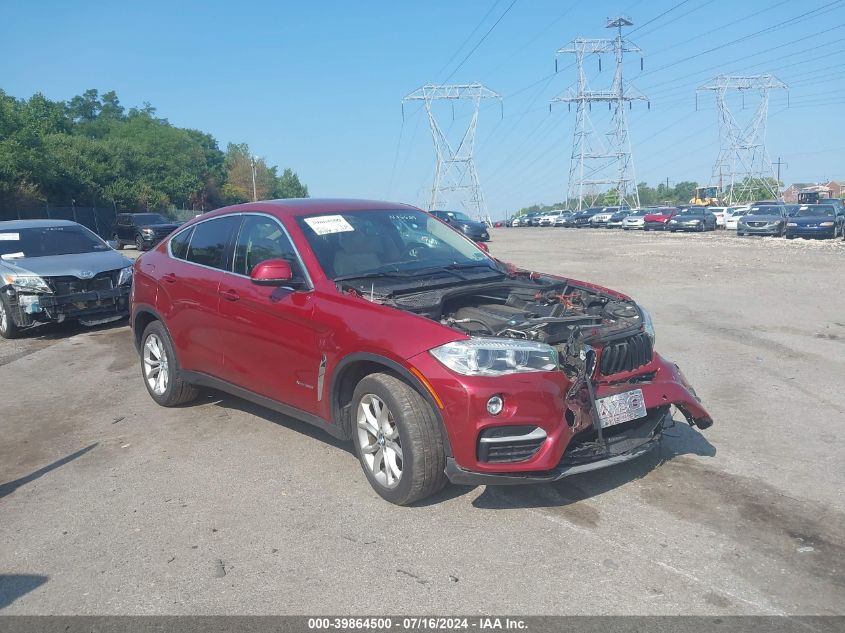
12 256
326 224
10 237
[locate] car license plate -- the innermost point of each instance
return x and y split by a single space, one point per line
622 407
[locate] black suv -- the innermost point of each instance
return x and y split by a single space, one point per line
144 230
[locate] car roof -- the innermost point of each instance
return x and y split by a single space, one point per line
295 207
34 224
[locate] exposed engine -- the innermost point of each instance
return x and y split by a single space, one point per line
566 316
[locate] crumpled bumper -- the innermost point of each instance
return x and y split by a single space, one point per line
635 440
29 308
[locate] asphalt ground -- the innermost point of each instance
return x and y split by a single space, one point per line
110 504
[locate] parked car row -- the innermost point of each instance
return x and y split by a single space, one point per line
765 217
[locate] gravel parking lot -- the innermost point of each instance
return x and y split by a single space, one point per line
112 505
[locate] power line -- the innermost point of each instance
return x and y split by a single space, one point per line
481 41
469 37
654 19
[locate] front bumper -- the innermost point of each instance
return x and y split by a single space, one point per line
539 400
29 309
685 227
654 226
634 441
805 231
759 230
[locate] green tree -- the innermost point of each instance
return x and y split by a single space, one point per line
288 186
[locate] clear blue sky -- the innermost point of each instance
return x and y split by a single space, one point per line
316 86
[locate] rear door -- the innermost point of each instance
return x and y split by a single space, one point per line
270 340
189 281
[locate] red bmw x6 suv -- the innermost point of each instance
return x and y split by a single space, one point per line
384 326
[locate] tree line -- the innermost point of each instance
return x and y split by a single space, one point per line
91 151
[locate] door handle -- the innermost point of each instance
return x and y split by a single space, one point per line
230 295
169 278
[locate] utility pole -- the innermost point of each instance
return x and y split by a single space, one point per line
254 194
591 162
742 146
455 172
779 164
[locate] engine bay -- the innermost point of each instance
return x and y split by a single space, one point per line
568 316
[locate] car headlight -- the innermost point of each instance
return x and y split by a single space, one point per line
125 276
147 232
481 356
27 283
791 224
648 324
826 224
673 221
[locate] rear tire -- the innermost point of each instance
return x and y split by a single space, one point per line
397 439
118 245
160 368
8 327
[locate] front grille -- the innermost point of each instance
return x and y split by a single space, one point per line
625 355
757 224
68 285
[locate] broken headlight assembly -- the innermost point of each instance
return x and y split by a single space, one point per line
479 356
26 283
648 324
125 276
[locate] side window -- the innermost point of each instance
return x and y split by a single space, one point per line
179 244
261 239
209 241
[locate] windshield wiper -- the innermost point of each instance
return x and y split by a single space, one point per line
373 275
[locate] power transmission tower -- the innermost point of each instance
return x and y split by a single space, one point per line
455 173
743 167
594 163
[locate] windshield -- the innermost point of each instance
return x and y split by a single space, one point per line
149 218
404 242
691 211
815 211
765 211
44 241
640 213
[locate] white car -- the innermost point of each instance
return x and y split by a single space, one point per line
720 213
561 219
732 216
548 219
601 218
635 219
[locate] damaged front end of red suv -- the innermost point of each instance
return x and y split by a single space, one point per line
553 377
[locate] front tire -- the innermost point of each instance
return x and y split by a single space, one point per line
139 243
160 368
8 327
397 439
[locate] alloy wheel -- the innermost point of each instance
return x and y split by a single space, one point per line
379 440
4 318
156 370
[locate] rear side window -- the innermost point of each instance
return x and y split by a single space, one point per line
179 244
209 241
261 239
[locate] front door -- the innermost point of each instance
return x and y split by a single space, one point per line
269 338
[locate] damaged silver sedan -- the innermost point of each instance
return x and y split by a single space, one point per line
53 270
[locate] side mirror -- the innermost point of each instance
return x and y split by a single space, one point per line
483 246
272 272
